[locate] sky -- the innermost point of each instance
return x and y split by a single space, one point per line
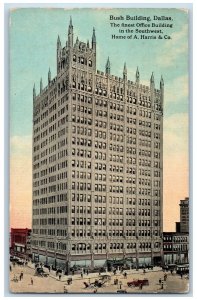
33 35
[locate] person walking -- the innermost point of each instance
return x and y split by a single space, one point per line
32 282
81 275
60 277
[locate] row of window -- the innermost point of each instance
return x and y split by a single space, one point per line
170 247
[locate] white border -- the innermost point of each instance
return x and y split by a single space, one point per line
4 173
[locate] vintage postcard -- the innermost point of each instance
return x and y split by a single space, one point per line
99 196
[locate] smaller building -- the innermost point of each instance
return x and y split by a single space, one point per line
20 242
175 247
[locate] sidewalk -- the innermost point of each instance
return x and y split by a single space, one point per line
64 278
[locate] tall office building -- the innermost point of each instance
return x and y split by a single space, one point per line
97 163
184 215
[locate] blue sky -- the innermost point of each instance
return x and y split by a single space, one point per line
33 36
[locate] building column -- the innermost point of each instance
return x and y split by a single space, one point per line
92 260
68 261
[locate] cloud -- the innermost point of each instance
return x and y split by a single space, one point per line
21 145
176 135
20 181
174 48
176 90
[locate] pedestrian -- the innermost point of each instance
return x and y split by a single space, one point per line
60 276
87 272
141 286
81 275
171 272
159 280
125 274
162 285
32 282
181 275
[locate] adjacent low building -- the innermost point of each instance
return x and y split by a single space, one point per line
20 242
175 247
176 244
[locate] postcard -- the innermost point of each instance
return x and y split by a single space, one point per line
99 196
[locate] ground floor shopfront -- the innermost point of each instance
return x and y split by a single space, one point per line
176 257
66 261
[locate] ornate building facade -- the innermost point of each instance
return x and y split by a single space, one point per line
97 163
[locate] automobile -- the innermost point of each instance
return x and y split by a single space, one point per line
75 268
150 267
41 272
14 259
121 291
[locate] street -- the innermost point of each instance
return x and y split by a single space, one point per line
30 283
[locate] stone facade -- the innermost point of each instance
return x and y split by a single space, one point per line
97 163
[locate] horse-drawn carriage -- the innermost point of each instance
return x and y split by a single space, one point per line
138 282
98 282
